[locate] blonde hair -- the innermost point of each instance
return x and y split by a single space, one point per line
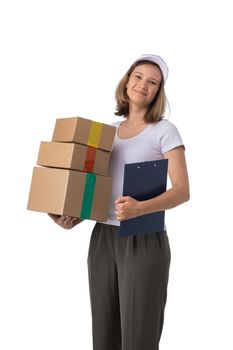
157 107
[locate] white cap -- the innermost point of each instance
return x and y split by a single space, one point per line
157 60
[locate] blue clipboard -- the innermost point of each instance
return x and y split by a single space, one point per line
143 181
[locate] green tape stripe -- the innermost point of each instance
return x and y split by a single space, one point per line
88 196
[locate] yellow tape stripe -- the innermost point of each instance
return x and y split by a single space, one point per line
94 134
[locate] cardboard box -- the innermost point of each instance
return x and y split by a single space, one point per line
70 192
84 131
73 156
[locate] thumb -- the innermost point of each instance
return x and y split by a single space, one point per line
121 199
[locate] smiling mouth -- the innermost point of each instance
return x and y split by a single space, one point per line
140 92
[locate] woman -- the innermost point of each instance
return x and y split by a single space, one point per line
128 276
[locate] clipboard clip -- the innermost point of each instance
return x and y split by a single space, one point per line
139 166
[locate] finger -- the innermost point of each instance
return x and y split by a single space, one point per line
68 219
122 199
119 200
119 206
62 219
53 216
74 220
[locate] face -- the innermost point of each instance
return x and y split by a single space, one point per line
143 84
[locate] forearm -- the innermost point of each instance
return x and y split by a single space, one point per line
167 200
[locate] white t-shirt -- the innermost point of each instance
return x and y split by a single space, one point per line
150 144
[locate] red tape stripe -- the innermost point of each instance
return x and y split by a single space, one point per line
90 159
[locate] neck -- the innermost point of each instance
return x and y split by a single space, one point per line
136 116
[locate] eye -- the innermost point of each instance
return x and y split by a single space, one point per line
153 82
138 76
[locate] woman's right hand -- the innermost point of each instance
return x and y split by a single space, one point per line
64 221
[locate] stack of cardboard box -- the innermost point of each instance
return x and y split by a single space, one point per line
72 175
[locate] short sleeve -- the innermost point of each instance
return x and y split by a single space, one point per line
169 137
116 124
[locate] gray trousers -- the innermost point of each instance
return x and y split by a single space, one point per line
128 279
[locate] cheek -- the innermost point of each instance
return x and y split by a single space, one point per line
153 92
129 84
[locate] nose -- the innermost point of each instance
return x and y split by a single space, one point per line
142 84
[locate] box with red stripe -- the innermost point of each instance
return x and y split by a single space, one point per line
70 192
73 156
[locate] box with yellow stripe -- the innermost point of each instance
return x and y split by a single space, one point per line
70 192
85 131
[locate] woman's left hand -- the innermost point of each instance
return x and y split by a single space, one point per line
127 208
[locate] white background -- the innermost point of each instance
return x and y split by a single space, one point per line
65 58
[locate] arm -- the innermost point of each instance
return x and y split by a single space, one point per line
179 192
64 221
127 207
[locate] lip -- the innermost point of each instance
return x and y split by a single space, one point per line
140 92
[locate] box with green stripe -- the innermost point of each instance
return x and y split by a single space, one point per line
85 131
70 192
